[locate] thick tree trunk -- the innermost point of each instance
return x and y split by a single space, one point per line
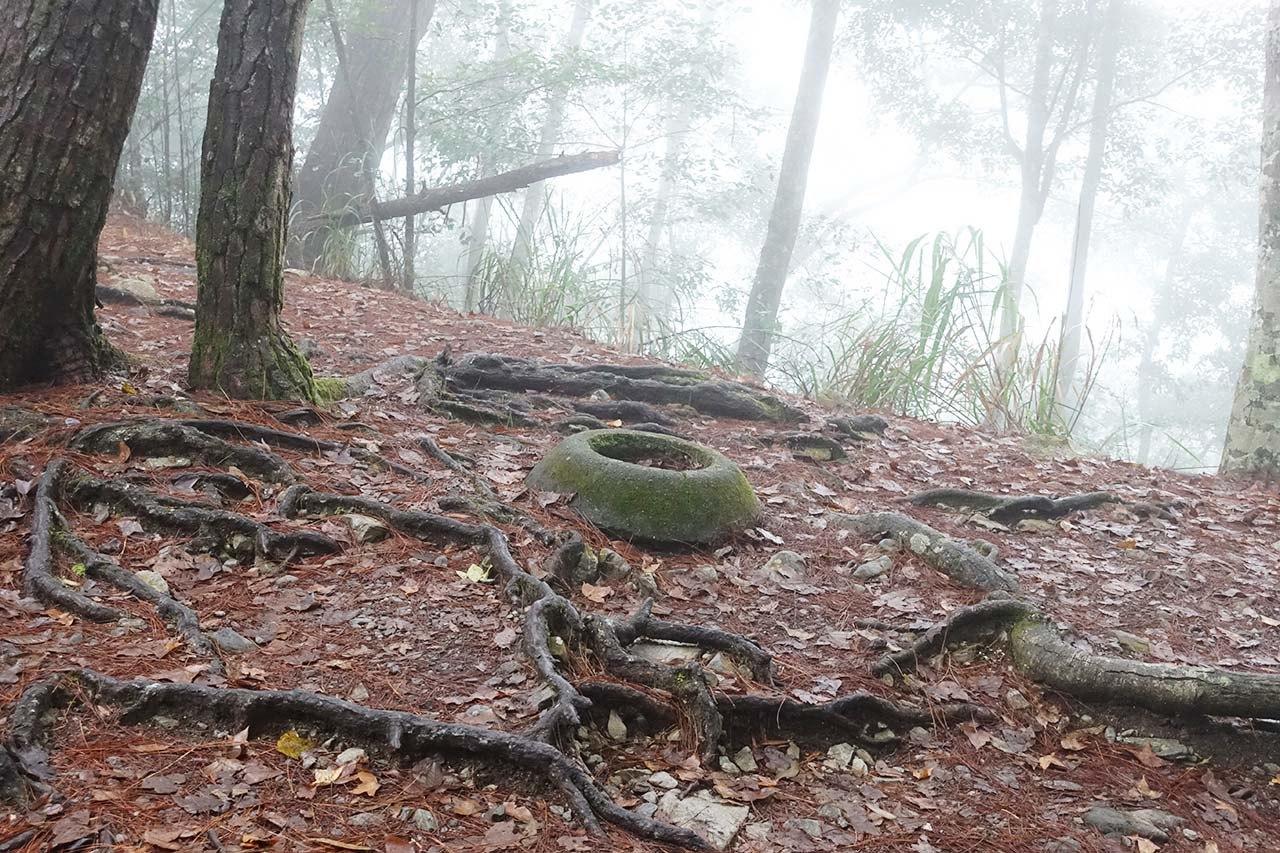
784 223
1073 321
70 73
354 124
240 348
1253 433
535 198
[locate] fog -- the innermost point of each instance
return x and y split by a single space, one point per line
910 143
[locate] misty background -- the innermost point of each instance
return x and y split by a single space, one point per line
900 279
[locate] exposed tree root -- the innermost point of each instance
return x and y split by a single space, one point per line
160 437
38 578
960 561
1044 653
164 307
269 712
628 411
216 528
639 383
1010 510
859 427
642 624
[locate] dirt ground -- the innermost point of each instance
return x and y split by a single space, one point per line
396 624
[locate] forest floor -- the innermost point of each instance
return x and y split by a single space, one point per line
397 624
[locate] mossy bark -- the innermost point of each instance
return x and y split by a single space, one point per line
240 348
70 73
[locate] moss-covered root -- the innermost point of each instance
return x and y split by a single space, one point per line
266 713
954 558
1043 653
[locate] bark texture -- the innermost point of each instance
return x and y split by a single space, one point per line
70 73
240 348
1253 434
784 223
355 122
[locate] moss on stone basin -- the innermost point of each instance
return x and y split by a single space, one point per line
649 486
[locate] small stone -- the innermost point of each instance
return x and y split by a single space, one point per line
873 568
366 528
705 573
1163 747
890 545
232 642
714 819
663 779
759 831
354 755
364 819
722 665
612 565
1148 823
616 728
647 809
746 760
858 767
1062 845
839 756
1016 700
1131 642
809 826
140 288
668 653
424 820
727 766
153 580
784 565
359 693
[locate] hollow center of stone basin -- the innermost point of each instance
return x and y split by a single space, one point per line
650 456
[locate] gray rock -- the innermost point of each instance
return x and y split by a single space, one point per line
612 565
785 566
727 766
366 528
840 756
1062 845
809 826
1164 747
1016 700
354 755
873 568
616 728
424 820
364 819
232 642
746 760
141 289
1131 642
153 580
1149 823
647 809
663 779
714 819
670 653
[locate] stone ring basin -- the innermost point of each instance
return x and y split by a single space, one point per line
648 486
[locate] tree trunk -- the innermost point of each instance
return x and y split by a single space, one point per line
653 302
1073 321
784 223
354 124
1253 433
410 145
535 198
240 348
70 74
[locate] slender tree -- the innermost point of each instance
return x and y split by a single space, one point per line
1073 320
552 123
240 347
70 73
1253 433
784 223
356 119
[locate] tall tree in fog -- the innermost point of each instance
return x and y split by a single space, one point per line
70 73
240 348
1103 98
342 160
553 122
1253 433
759 324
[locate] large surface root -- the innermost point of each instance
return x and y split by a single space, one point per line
1046 654
958 560
269 712
159 437
1010 510
639 383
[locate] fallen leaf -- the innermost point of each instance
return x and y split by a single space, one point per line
596 593
340 845
476 573
368 784
292 744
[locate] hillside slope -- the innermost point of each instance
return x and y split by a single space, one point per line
1177 570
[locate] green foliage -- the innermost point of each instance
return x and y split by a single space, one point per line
927 347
